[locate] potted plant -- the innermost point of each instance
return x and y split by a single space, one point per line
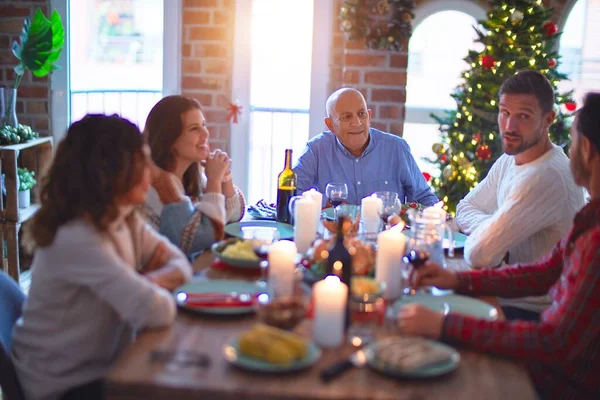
26 182
41 42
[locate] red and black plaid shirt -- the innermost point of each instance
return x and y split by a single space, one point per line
562 351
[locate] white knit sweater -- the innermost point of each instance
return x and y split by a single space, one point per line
85 302
520 209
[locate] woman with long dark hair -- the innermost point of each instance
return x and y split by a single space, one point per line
193 195
100 273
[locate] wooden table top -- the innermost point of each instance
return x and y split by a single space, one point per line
136 376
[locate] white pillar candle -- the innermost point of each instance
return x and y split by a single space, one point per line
388 262
317 197
305 224
282 266
330 296
370 207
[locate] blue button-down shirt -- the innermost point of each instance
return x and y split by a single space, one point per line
385 165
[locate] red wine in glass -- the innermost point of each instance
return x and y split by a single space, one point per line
335 201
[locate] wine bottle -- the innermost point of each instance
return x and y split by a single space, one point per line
339 261
286 189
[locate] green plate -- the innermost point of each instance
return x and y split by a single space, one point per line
244 229
450 303
234 357
217 286
217 249
430 371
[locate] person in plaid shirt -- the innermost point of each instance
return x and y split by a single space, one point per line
562 350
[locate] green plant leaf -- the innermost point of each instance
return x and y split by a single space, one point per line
41 42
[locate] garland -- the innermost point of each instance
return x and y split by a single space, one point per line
364 19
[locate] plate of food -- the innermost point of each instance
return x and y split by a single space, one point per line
411 357
236 252
268 349
219 296
250 229
450 303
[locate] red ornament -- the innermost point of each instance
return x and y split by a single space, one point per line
550 28
488 62
552 62
484 152
443 159
477 137
234 111
427 176
571 106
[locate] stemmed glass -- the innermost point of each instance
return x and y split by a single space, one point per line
336 193
390 205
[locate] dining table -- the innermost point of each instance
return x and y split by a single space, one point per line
186 361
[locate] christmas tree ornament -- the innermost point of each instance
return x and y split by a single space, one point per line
571 106
552 62
550 28
488 62
443 159
462 161
516 17
483 152
438 148
477 137
449 172
427 176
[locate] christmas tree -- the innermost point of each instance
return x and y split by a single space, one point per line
517 35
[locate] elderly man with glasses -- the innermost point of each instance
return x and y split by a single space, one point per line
364 158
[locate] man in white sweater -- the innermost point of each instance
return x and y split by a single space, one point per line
527 202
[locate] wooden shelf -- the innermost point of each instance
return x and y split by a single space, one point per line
35 155
27 212
26 145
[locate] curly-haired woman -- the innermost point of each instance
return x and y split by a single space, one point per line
193 196
100 273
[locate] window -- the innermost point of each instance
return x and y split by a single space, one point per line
434 68
284 90
580 51
118 59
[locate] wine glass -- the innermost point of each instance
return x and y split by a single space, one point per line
336 193
416 257
390 205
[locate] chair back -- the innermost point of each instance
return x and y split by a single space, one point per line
11 305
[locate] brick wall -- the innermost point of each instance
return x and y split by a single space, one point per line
381 75
207 60
33 103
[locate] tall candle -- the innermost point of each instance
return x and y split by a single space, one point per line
317 197
330 296
370 207
282 267
305 224
388 262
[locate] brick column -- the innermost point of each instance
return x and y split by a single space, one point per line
33 96
207 60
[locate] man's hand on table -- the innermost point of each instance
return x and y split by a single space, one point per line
415 319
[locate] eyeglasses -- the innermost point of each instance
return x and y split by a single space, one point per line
362 115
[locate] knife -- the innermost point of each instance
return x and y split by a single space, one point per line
358 359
